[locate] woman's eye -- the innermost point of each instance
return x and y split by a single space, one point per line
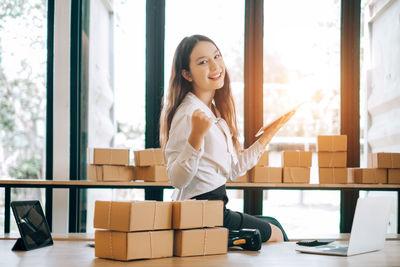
202 62
217 56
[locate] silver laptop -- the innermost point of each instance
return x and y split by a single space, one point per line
368 231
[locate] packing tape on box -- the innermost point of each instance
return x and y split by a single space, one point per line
203 207
109 214
151 244
332 143
205 242
299 158
391 159
331 160
110 245
155 215
291 175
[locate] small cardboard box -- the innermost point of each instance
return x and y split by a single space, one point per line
334 176
296 175
132 216
332 143
149 157
264 159
384 160
109 173
189 214
132 246
242 179
157 173
108 156
296 158
199 242
332 159
368 175
393 176
263 174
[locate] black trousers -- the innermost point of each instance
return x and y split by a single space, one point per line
234 220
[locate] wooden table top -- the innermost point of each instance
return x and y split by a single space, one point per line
78 253
85 183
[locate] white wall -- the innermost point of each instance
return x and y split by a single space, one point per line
383 79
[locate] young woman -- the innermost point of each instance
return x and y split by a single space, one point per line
198 131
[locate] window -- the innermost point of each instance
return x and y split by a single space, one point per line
23 53
223 22
302 63
379 92
116 85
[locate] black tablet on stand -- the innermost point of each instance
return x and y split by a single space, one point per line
32 225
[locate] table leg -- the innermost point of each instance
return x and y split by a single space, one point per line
253 201
7 203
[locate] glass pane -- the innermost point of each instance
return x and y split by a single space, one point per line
302 63
116 85
23 57
225 26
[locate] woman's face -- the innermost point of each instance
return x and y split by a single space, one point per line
207 68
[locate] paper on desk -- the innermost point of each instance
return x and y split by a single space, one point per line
285 118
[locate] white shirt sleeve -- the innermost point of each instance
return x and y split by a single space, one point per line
247 159
183 159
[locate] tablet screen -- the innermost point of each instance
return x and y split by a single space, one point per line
32 224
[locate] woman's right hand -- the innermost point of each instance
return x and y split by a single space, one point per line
200 125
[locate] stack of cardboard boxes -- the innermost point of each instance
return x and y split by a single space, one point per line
382 168
197 228
154 229
296 166
109 164
332 159
262 173
150 165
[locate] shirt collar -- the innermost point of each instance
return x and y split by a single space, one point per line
203 107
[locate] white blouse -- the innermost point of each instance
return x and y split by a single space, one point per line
194 172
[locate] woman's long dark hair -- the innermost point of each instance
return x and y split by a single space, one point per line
179 87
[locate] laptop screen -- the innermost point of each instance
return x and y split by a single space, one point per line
32 224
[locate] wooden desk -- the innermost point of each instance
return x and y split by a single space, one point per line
77 253
253 194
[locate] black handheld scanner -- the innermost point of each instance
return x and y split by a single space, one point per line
248 239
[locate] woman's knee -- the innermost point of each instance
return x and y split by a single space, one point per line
276 234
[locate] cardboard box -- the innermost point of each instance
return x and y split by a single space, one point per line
263 174
332 143
264 159
384 160
368 175
332 159
296 159
393 176
157 173
109 173
296 175
149 157
132 216
334 176
189 214
242 179
196 242
132 246
108 156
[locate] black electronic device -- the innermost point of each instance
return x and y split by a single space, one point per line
32 225
248 239
314 243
